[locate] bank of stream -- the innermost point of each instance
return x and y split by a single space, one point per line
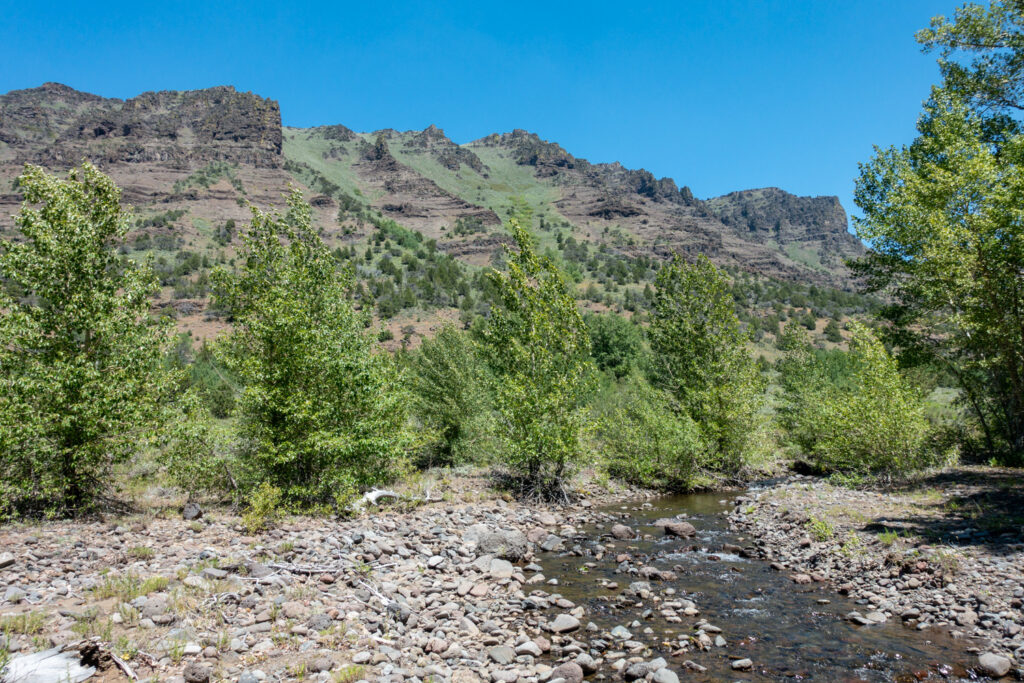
787 631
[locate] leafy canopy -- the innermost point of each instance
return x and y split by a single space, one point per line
701 359
322 413
81 377
943 217
539 351
872 421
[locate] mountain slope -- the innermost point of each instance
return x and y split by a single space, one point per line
191 162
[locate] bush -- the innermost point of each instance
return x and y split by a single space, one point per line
538 349
700 358
82 370
616 343
322 413
647 443
866 420
451 399
199 454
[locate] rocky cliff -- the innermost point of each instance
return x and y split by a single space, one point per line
206 154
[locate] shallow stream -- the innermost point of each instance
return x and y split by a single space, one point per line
789 631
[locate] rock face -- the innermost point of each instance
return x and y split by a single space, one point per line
773 214
55 125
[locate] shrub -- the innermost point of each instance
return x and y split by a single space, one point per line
871 421
264 508
538 348
81 358
322 413
647 443
451 399
199 454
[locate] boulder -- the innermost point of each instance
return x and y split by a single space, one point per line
564 623
994 665
570 672
506 544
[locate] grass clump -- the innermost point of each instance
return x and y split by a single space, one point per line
27 624
127 587
820 529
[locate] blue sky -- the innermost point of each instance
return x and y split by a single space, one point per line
719 95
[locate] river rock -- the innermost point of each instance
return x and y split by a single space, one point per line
196 673
501 569
502 654
570 672
508 544
623 532
564 623
665 676
742 664
676 527
994 665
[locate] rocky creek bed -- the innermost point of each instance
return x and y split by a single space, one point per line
483 591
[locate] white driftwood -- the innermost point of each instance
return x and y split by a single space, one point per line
48 666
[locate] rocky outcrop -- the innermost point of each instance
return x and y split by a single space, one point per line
56 126
773 214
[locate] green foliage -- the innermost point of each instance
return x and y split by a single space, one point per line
701 359
646 442
264 508
451 398
943 216
616 343
199 454
820 530
993 37
832 332
538 348
872 422
81 372
321 413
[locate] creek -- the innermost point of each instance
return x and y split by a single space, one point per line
789 631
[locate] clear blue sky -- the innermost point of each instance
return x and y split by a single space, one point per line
719 95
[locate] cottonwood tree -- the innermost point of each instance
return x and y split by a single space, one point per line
942 216
322 412
81 378
539 350
701 359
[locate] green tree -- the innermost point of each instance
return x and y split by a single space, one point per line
451 398
615 342
942 216
81 359
322 414
701 359
832 332
870 420
537 345
981 55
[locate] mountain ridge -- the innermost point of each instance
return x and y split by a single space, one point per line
190 161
